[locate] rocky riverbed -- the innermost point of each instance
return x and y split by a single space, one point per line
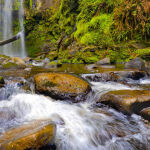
47 106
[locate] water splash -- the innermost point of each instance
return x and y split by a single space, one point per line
79 126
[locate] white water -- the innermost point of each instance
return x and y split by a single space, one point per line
79 126
16 48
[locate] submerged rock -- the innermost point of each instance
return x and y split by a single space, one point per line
130 101
35 135
136 63
62 86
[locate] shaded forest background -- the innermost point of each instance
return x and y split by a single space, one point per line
85 31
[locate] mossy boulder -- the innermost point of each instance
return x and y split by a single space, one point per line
62 86
14 63
35 135
9 65
128 101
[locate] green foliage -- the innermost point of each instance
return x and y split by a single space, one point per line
144 53
131 20
96 32
77 24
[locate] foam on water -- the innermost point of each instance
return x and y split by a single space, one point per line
79 126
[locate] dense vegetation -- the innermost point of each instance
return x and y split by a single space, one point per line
84 31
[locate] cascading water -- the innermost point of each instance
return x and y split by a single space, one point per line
81 126
8 17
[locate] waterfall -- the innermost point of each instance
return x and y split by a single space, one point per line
8 17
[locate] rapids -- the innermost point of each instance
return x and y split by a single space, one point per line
83 126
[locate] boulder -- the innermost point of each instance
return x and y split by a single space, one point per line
128 101
104 61
14 63
62 86
18 60
35 135
27 59
136 63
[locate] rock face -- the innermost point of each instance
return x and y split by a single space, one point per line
35 135
136 63
130 101
104 61
62 86
45 4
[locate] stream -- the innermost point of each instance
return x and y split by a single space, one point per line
82 126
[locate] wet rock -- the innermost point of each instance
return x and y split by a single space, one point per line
128 101
35 135
145 113
27 59
117 76
104 61
62 86
136 63
102 77
134 75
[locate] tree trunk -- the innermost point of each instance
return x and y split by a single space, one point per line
14 38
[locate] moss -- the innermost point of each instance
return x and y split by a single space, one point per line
49 84
143 53
53 63
76 24
9 65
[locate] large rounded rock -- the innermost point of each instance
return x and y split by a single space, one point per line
62 86
36 135
130 101
136 63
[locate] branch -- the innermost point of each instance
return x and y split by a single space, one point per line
14 38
